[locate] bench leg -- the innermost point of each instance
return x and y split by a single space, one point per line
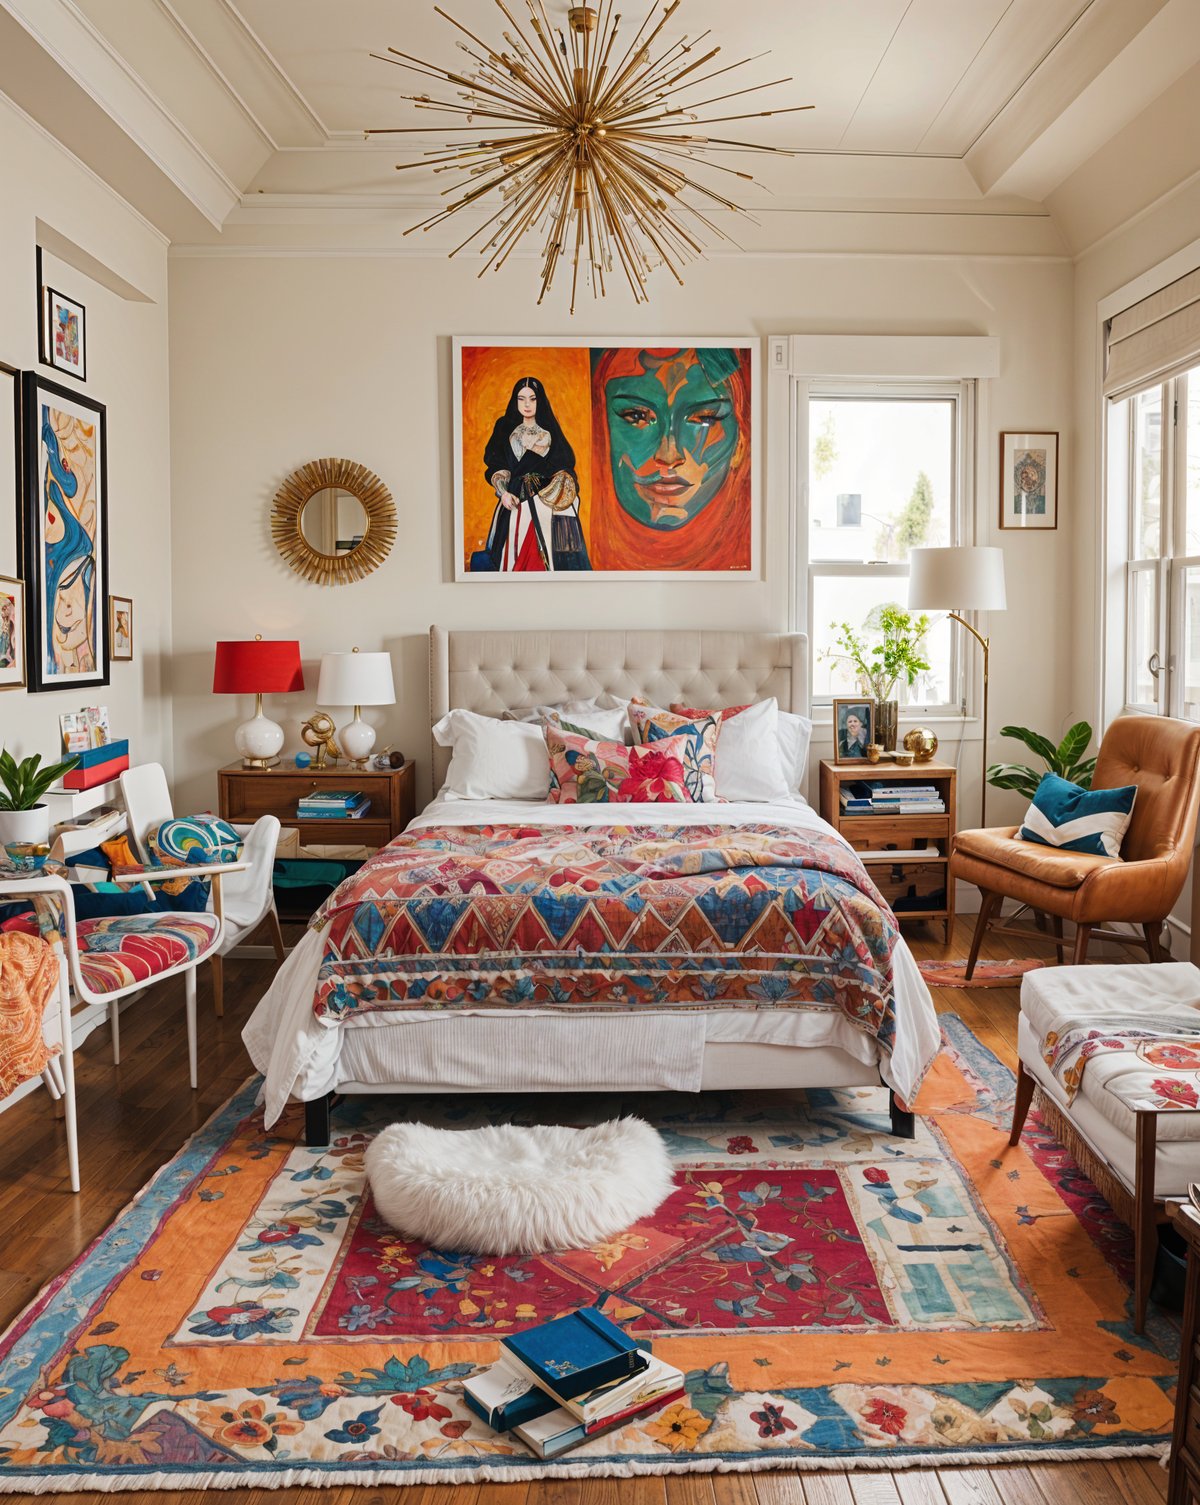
317 1131
1144 1240
904 1123
1024 1097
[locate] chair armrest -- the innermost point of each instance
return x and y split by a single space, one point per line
133 876
20 887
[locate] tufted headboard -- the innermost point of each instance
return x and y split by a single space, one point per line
497 671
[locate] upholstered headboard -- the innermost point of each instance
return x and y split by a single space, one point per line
497 671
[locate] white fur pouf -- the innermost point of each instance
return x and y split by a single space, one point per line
507 1189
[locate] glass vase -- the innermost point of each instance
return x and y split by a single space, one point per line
887 723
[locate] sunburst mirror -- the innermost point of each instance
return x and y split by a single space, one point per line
334 521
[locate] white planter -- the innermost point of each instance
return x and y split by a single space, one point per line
25 825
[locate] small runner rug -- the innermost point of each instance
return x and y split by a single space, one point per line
838 1299
986 975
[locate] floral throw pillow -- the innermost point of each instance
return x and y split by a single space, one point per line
652 724
584 771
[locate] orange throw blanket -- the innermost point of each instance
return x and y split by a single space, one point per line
28 978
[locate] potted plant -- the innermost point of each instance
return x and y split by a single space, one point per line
881 665
23 816
1067 760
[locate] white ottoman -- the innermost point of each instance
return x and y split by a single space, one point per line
1138 1159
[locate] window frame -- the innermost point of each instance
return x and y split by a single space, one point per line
963 393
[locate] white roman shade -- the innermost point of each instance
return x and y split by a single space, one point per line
1157 338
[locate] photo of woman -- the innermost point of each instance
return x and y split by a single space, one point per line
530 465
854 730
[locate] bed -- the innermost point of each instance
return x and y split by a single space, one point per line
329 1024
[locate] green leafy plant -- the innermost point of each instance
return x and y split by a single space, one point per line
897 655
1067 759
25 783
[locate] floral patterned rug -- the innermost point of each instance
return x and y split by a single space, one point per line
953 974
837 1298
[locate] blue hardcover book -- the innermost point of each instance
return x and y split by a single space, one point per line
573 1354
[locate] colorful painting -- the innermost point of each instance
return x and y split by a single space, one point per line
120 628
63 338
615 458
1028 480
65 537
12 634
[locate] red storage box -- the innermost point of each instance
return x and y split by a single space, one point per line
98 773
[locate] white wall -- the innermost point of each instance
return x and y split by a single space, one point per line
280 359
127 370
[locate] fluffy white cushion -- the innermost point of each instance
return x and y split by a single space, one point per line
507 1189
795 734
493 759
749 766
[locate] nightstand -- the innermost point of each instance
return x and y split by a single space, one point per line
246 793
1184 1485
916 884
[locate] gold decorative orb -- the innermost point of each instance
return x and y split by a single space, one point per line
921 742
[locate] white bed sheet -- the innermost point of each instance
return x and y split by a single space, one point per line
302 1056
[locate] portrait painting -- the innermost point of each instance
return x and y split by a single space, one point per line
63 335
1028 480
605 458
64 530
853 730
12 634
120 628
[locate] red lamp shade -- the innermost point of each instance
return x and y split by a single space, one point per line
257 667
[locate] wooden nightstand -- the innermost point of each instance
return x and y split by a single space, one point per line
918 887
246 793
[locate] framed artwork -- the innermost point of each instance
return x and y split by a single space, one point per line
1028 480
63 334
12 634
65 537
120 628
10 468
853 729
607 457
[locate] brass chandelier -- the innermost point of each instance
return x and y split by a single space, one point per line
598 140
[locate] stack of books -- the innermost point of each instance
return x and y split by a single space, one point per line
866 797
561 1384
333 804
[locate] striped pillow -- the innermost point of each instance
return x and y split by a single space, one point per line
1080 820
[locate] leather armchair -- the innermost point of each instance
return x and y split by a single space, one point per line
1162 757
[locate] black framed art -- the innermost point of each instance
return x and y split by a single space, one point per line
64 526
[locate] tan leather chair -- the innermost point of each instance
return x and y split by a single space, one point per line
1141 886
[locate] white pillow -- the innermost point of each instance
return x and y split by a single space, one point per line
748 761
795 734
492 759
606 716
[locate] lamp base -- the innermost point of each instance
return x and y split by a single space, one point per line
356 740
259 741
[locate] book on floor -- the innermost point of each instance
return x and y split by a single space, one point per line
575 1354
505 1398
558 1431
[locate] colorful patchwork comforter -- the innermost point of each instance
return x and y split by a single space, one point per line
638 917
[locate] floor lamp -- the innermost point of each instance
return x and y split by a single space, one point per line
970 578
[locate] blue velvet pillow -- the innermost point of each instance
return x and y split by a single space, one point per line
1079 820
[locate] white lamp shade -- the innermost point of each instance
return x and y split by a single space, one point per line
968 578
356 679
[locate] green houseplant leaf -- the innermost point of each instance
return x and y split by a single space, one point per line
26 783
1066 760
1072 746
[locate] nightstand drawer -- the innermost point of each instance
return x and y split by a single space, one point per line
910 886
1191 1429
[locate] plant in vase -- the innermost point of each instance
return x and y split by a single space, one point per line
23 816
881 664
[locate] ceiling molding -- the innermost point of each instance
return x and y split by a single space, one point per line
70 40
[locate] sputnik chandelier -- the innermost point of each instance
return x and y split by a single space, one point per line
598 141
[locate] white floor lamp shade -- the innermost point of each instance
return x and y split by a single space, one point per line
356 679
954 580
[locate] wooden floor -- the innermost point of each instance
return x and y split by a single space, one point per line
133 1118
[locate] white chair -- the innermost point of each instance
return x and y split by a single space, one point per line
103 961
241 893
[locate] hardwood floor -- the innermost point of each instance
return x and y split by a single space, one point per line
133 1118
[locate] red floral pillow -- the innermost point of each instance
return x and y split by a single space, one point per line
693 714
584 771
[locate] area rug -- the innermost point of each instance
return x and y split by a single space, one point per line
986 975
837 1298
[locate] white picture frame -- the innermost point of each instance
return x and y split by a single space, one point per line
1029 479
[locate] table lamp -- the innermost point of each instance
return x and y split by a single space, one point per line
954 580
356 679
258 668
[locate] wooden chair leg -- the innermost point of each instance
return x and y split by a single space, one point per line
1025 1086
1154 948
218 977
1083 934
987 904
114 1026
276 935
1144 1240
1058 939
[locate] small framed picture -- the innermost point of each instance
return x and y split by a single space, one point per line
853 730
12 634
64 334
120 628
1028 480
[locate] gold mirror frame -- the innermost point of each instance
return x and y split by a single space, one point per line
345 475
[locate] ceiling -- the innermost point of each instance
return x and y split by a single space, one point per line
241 121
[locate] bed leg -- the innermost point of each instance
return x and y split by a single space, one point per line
904 1123
316 1121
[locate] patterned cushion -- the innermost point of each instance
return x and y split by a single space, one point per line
130 949
584 771
1081 820
652 724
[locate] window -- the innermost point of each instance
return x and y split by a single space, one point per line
886 473
1156 435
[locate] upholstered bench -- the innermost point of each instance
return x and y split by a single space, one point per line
1114 1055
